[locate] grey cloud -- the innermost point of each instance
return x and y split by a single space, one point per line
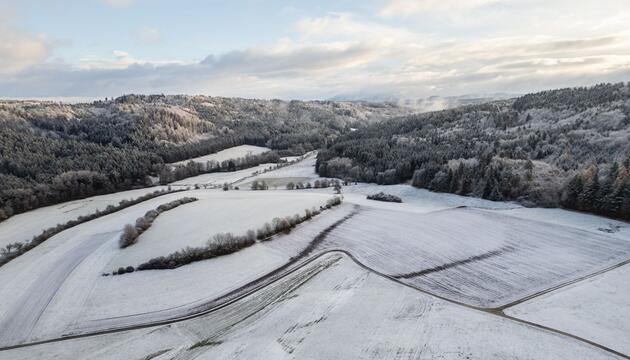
63 80
577 44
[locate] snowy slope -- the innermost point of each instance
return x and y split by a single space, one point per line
473 256
597 309
219 178
330 309
227 154
76 296
23 227
594 223
215 212
416 200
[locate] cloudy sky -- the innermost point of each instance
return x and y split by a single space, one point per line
309 49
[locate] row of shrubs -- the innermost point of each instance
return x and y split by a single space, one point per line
131 232
228 243
317 184
381 196
259 185
11 251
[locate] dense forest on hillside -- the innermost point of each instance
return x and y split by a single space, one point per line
568 147
51 152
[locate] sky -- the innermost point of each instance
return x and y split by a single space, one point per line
309 49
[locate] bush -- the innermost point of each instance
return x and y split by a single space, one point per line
128 236
381 196
333 202
143 223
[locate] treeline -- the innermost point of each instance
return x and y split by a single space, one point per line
51 153
11 251
317 184
130 233
526 150
607 195
228 243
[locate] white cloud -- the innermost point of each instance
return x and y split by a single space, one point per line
120 54
409 7
148 36
118 3
19 50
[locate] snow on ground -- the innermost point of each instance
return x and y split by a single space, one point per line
330 309
215 212
474 256
414 199
57 288
219 178
304 168
480 257
597 309
23 227
302 171
227 154
594 223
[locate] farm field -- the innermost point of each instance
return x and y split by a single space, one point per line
23 227
70 264
219 178
473 256
593 223
597 308
330 308
227 154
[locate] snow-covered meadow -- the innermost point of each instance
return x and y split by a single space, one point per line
227 154
597 308
222 177
331 308
215 212
23 227
473 256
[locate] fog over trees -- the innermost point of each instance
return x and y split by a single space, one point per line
568 147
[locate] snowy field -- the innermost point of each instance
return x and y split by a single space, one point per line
474 256
416 200
594 223
597 309
227 154
23 227
215 212
219 178
330 309
302 171
57 288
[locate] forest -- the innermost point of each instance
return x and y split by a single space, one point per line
567 147
52 152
